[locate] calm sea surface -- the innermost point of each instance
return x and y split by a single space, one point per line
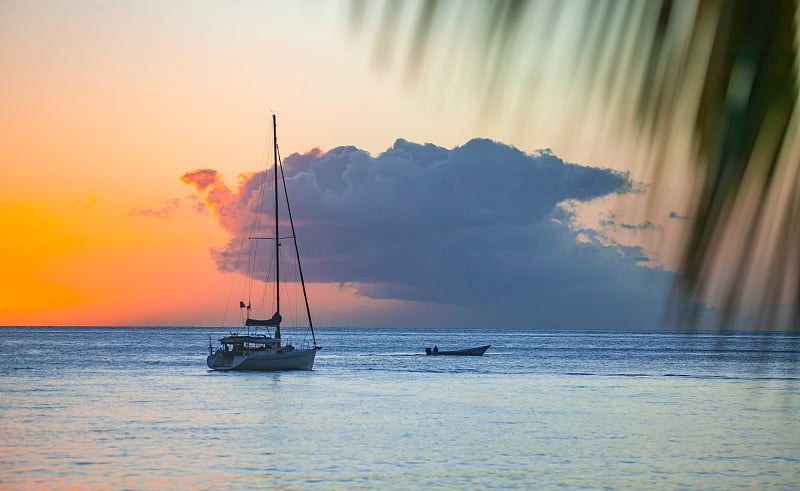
136 408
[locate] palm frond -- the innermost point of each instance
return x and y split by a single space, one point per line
725 71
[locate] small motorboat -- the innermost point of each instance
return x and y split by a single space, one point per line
479 351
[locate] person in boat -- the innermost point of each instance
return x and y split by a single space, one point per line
435 349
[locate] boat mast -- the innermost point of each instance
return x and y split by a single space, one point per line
277 236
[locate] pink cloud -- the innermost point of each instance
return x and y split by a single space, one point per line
201 178
165 211
149 212
227 206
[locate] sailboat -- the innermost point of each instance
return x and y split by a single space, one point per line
250 350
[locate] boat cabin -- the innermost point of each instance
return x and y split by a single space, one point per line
238 344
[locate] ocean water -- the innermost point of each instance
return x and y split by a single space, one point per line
136 408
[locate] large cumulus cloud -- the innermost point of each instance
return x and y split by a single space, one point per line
478 227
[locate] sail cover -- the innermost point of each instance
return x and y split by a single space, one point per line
273 321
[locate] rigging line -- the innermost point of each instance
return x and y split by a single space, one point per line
267 267
254 221
290 291
279 163
252 224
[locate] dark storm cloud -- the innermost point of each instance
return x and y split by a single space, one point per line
477 226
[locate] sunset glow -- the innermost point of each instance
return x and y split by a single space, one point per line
106 106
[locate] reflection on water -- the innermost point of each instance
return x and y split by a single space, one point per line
137 409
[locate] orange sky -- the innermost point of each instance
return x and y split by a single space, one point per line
103 106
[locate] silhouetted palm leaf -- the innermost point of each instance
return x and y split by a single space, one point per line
725 70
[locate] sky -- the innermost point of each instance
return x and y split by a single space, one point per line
128 131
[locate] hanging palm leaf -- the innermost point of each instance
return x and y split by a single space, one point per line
724 72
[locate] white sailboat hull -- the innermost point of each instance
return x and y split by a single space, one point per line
268 361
